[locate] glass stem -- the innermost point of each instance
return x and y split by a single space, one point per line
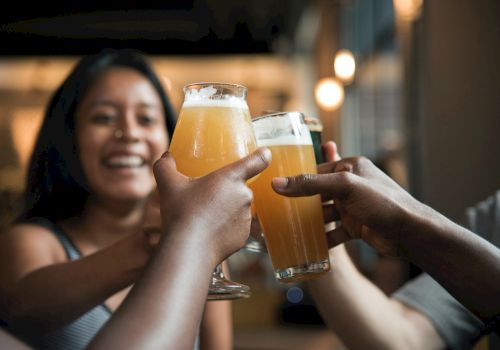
218 273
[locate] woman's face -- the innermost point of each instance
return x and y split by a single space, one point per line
120 130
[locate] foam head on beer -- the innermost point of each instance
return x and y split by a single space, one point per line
282 131
211 97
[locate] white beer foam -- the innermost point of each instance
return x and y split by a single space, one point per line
300 136
228 103
206 97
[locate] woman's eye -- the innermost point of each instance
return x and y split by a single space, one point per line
147 120
103 119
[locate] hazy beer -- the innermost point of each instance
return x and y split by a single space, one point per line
214 129
209 135
293 227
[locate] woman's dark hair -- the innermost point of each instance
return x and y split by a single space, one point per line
56 186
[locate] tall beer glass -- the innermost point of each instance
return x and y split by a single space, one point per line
293 227
214 129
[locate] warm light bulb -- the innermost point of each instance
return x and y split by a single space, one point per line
344 65
408 9
329 94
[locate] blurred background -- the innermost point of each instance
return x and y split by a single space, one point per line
412 84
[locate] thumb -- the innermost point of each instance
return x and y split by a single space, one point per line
165 172
251 165
330 152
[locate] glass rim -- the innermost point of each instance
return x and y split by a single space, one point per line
239 86
277 114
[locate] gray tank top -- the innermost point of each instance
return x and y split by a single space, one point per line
77 334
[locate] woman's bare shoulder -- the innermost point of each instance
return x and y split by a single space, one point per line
26 246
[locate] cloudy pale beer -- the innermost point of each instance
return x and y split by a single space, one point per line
211 134
293 227
214 129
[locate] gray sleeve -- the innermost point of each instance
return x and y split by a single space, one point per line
452 320
456 325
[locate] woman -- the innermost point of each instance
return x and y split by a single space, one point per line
78 246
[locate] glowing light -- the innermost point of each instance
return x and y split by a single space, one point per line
344 65
408 9
329 94
25 123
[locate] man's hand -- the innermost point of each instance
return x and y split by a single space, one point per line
215 206
369 204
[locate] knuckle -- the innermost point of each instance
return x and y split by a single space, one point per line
346 178
363 162
247 195
302 179
345 164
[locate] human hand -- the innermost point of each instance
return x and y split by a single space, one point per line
212 210
369 204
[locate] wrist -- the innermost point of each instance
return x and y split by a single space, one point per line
191 240
419 229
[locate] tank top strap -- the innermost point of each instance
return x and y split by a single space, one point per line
72 252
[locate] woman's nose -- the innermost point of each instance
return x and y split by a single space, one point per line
129 130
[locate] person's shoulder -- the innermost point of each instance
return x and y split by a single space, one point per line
31 238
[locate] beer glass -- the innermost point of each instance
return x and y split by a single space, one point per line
255 242
293 227
214 128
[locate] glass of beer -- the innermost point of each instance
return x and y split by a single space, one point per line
214 129
293 227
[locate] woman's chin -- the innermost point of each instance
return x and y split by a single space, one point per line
129 195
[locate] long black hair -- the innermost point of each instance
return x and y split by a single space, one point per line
56 186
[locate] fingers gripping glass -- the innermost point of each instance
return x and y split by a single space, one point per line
213 130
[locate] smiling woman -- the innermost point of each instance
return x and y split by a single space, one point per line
121 121
78 245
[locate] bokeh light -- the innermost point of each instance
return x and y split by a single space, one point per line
329 94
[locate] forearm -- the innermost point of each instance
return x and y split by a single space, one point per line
216 330
361 314
164 309
55 295
464 263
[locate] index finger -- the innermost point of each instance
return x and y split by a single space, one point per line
333 184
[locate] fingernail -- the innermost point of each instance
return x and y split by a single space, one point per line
266 153
280 182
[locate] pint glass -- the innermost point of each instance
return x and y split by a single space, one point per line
293 227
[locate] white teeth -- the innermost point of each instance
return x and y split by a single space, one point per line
125 161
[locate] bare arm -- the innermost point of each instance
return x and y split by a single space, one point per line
216 331
374 208
464 263
42 292
363 316
165 307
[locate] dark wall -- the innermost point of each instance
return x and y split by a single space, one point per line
460 118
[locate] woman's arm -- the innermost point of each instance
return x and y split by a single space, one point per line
363 316
41 291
